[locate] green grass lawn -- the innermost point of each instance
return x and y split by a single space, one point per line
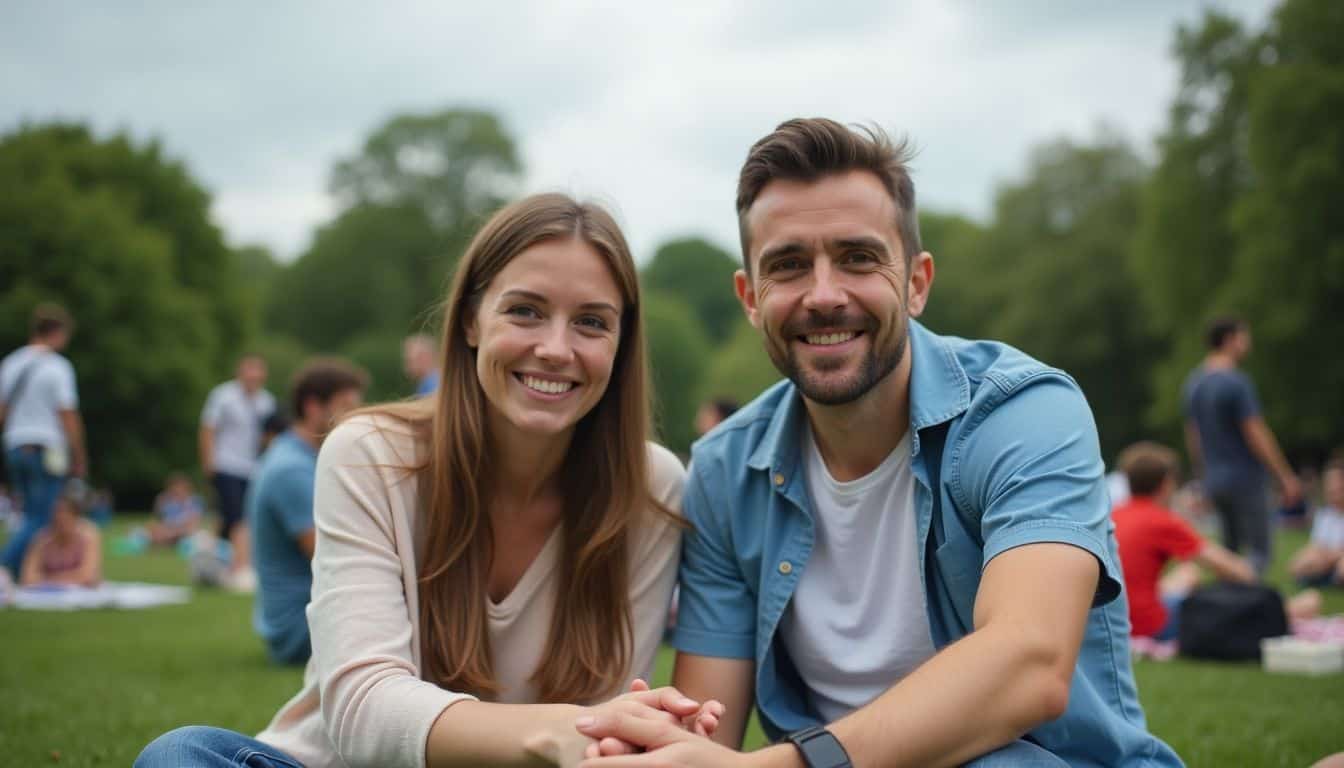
92 687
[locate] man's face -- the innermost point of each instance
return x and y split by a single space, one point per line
830 289
1241 343
252 373
321 417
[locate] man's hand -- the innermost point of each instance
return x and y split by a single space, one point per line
667 744
703 722
565 746
1292 489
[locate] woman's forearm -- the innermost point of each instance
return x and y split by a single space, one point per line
472 733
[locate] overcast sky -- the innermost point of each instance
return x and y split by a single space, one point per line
649 107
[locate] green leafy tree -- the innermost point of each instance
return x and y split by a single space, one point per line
111 230
960 303
741 369
700 274
1062 288
678 358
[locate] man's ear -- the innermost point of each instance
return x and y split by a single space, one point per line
746 293
920 282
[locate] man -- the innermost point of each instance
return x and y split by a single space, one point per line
43 432
1150 535
229 440
1227 436
902 555
280 506
420 364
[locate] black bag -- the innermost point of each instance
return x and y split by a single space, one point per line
1227 621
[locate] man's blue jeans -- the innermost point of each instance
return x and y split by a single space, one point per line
39 489
200 746
1020 753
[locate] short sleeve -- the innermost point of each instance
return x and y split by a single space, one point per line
214 404
1179 540
294 502
1245 401
1033 469
67 393
716 612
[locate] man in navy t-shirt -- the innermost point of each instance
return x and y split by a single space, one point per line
1227 435
280 506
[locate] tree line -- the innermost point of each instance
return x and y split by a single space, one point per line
1102 259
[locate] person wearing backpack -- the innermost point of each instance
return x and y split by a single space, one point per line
43 432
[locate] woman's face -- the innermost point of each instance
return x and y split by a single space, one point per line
63 516
546 335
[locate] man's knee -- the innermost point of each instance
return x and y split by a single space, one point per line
1022 754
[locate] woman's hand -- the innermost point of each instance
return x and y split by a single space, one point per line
703 722
564 746
665 745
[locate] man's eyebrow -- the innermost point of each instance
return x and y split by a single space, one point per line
783 249
860 241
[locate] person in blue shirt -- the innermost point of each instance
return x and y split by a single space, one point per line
419 361
280 506
903 554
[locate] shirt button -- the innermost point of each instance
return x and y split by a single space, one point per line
785 567
779 479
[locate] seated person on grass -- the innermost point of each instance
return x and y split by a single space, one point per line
280 506
1150 535
69 550
177 512
1321 562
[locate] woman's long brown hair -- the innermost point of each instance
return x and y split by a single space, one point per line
603 480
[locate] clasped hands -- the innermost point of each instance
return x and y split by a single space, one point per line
628 726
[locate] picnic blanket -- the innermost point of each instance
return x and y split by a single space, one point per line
126 595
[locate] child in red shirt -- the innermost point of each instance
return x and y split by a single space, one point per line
1150 535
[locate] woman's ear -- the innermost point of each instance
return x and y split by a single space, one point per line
470 330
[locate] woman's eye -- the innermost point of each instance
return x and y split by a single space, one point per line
523 310
594 322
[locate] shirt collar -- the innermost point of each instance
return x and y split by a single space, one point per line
939 392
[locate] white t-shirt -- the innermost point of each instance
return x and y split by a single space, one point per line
857 623
34 417
236 420
1328 528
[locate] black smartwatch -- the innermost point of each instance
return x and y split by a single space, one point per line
820 748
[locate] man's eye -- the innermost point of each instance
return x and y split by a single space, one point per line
785 265
861 257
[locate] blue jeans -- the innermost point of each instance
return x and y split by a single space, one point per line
1020 753
39 489
200 746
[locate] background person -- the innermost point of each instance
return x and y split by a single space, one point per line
420 363
495 560
43 432
1321 562
1228 439
68 551
229 441
1150 535
280 505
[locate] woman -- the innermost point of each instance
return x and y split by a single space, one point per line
69 550
493 556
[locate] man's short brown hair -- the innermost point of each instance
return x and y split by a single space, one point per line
807 149
323 378
1147 465
49 318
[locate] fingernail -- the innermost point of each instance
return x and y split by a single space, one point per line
585 722
685 702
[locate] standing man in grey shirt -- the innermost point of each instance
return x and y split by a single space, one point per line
43 433
230 438
1228 438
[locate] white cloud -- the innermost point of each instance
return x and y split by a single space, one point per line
649 107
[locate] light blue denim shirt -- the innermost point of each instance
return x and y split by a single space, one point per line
1004 453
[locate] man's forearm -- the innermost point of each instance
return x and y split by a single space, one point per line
74 437
1009 683
205 442
1266 448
